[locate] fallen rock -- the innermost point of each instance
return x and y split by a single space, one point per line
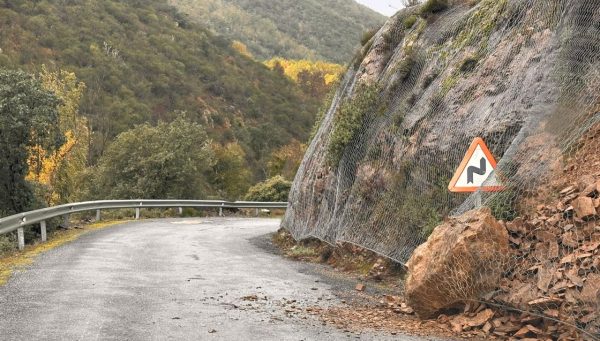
462 259
592 189
545 302
360 287
377 270
584 207
528 330
481 318
568 190
591 290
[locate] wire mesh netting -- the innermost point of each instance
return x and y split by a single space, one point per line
524 75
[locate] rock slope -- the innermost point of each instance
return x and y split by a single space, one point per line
521 74
524 76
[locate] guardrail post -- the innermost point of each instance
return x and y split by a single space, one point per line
257 212
137 213
180 210
21 238
221 211
43 230
66 221
97 215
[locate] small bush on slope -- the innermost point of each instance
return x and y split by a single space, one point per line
274 189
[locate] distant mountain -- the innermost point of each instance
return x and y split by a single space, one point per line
294 29
142 61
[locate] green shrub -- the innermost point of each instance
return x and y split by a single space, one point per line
349 120
433 6
360 55
366 36
7 244
410 21
418 211
169 160
398 120
405 66
274 189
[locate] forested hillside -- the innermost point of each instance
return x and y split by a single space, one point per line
141 61
131 100
309 29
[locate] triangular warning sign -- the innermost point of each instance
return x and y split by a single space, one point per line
476 171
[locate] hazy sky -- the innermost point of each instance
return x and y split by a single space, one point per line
387 7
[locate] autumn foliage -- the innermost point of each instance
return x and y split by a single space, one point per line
314 77
58 170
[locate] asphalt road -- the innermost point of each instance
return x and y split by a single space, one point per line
169 279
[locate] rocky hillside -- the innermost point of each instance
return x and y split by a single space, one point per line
535 276
305 29
522 75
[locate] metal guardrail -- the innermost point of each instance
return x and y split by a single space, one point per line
18 221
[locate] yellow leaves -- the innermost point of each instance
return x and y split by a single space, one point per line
241 48
65 86
292 68
286 160
42 166
331 78
57 170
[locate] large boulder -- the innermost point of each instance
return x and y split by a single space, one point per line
462 259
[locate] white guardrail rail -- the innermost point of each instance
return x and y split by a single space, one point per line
18 221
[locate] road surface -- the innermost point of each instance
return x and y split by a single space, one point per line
169 279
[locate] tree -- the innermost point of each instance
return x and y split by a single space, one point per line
286 160
28 118
59 171
410 3
313 83
167 161
274 189
278 68
241 48
230 175
314 78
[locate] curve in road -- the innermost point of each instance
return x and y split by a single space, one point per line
169 279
